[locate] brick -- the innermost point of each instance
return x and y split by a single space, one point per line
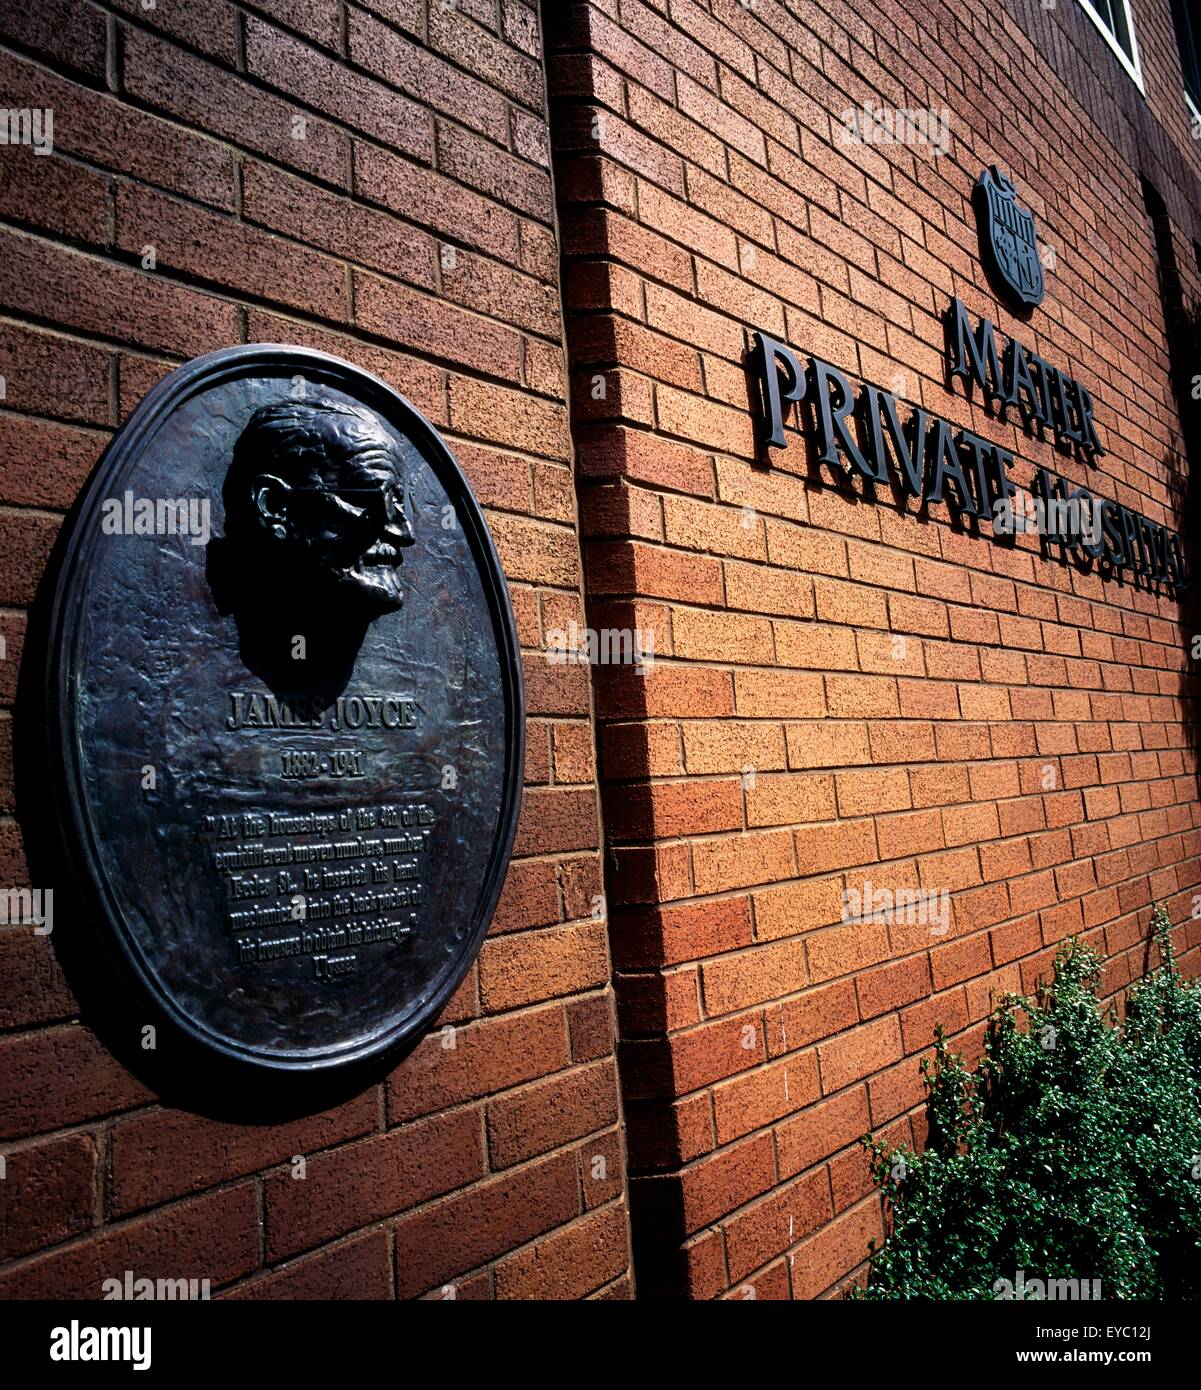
529 966
821 1130
455 1236
48 375
496 415
486 1057
358 1184
556 819
844 950
960 960
551 689
163 1154
729 746
928 699
570 1263
775 496
665 1134
302 209
548 1114
762 1096
827 743
668 809
789 799
859 697
530 897
702 1055
513 182
948 1011
771 1226
668 934
590 1027
580 881
600 1165
356 1269
33 988
838 602
797 906
750 858
836 845
912 832
891 986
851 1176
201 95
869 1048
58 1077
572 750
61 198
112 301
48 1193
872 791
435 202
470 47
72 35
805 549
431 327
66 456
649 873
206 246
211 30
896 1090
750 977
836 1250
425 77
320 81
635 568
212 1237
665 692
763 589
981 907
1016 939
711 1188
633 751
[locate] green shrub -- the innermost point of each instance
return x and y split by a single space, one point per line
1073 1151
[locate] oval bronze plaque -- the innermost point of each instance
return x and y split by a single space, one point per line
290 737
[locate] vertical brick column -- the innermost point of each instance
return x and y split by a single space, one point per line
372 180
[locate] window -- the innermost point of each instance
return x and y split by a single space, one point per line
1186 40
1116 24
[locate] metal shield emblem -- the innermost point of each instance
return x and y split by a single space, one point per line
1008 240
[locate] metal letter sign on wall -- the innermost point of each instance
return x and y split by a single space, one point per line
866 439
1008 241
288 749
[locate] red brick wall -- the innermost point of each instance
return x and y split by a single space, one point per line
785 747
424 132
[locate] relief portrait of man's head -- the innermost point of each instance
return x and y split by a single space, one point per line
315 501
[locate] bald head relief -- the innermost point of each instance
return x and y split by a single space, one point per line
318 490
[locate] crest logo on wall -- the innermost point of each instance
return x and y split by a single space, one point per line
1008 240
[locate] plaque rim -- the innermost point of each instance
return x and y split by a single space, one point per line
67 621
